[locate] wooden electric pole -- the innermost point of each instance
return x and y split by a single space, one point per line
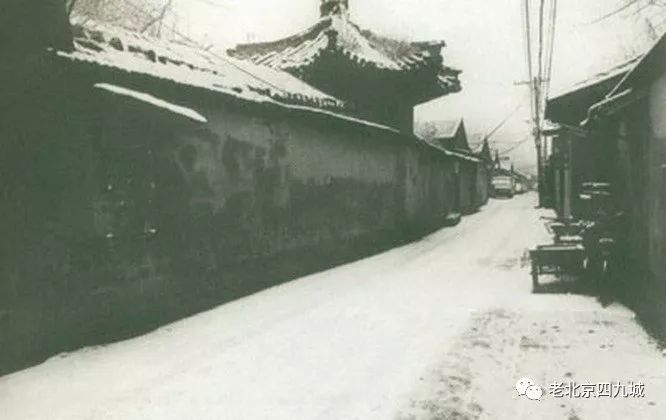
539 80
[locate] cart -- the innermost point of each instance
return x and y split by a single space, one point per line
557 259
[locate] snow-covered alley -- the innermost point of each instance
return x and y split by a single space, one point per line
439 329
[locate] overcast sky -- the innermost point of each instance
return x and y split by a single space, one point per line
484 39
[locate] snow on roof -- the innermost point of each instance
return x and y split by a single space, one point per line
338 33
439 129
458 154
598 78
152 100
361 45
167 60
625 93
654 57
343 117
463 156
112 46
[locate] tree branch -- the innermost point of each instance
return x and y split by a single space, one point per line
620 9
158 18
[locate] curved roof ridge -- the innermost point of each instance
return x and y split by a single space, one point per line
361 44
250 50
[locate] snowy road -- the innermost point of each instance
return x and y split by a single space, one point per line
438 329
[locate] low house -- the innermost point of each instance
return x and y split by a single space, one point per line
471 180
144 180
484 170
578 155
633 114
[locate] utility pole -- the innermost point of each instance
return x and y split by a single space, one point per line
539 81
538 139
533 82
535 121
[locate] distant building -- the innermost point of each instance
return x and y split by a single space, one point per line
472 178
450 134
485 171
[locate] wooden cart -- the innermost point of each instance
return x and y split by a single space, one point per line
557 259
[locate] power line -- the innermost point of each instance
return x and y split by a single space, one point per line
539 83
504 121
214 3
542 4
641 5
528 50
533 84
518 144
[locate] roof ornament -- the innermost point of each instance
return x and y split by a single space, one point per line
333 7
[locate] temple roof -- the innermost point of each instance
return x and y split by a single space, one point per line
337 33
